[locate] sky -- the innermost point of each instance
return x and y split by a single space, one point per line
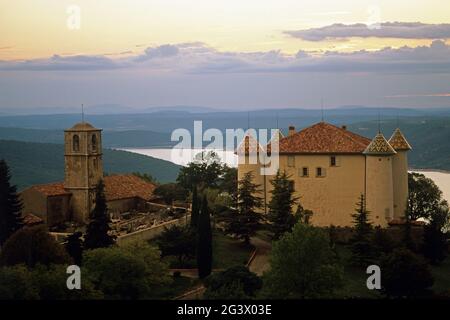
229 54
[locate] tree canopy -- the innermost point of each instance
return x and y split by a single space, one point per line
302 265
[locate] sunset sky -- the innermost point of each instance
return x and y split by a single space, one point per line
224 54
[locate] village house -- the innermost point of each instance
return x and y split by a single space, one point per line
330 167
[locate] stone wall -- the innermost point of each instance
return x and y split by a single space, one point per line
150 233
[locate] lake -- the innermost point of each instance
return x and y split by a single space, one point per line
184 156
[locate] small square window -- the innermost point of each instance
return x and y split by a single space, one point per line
320 172
291 161
333 162
291 185
304 172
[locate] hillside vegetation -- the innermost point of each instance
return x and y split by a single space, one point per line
35 163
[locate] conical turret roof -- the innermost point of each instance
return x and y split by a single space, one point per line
249 145
379 146
398 141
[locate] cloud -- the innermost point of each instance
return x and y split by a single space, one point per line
198 58
60 63
401 30
428 95
163 51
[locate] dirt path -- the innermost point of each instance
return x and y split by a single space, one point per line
258 265
261 261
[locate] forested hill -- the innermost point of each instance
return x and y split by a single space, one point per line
36 163
429 138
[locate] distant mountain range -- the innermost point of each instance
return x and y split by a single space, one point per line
104 109
167 119
37 163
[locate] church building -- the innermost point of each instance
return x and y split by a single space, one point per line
74 199
330 167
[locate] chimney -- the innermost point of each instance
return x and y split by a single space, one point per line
291 130
344 127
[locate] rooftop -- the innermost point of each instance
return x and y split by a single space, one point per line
116 187
379 146
398 141
83 126
127 186
323 138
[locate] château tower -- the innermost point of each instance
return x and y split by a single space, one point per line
379 182
400 172
83 167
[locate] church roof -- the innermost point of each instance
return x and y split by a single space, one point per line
31 219
51 189
116 187
323 138
83 126
127 186
379 146
398 141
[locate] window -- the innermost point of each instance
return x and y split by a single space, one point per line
95 163
333 162
94 142
320 172
304 172
76 143
291 185
291 161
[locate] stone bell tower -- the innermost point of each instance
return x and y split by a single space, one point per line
83 167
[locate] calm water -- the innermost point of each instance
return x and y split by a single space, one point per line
184 156
441 179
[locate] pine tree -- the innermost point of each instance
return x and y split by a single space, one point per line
10 205
204 241
74 247
195 208
245 221
97 233
361 242
280 206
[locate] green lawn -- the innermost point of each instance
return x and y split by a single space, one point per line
179 286
228 252
354 278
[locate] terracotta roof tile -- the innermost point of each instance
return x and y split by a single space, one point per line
116 187
30 219
51 189
379 146
323 138
398 141
249 145
127 186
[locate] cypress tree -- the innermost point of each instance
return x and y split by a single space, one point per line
10 205
97 233
204 241
361 242
245 221
195 208
280 206
74 247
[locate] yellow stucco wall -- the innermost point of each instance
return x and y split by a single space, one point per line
400 180
333 197
379 189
